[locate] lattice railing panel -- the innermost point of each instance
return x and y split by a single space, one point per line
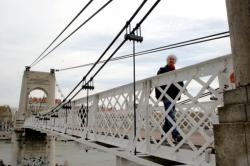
110 117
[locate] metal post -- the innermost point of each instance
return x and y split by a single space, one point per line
147 92
66 114
135 36
134 96
87 114
95 112
66 119
87 108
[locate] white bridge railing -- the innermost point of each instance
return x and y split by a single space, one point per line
110 118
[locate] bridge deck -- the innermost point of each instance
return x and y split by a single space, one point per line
110 118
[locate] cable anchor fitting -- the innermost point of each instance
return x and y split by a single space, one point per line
89 85
133 35
67 106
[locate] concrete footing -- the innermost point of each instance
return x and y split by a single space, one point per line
232 143
32 148
232 134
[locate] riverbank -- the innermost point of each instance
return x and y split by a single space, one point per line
69 152
2 163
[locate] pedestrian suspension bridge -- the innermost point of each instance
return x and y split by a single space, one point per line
107 121
127 120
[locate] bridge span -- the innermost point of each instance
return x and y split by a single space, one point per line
106 120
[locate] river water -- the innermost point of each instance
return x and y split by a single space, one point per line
67 151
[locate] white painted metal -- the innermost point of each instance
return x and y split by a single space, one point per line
110 116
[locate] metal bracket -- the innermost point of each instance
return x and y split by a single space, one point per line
89 85
27 68
46 118
133 36
67 106
54 116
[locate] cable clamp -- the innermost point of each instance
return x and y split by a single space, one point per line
133 35
89 85
67 106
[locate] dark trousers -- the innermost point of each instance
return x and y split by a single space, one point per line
167 125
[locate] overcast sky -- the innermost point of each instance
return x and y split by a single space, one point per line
28 26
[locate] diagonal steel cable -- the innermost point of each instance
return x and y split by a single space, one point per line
162 48
86 21
78 14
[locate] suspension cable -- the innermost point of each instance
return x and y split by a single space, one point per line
78 14
117 36
158 49
121 44
86 21
138 55
113 41
134 29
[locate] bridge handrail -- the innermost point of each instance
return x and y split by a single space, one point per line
110 115
224 59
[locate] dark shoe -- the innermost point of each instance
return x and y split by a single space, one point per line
165 142
178 139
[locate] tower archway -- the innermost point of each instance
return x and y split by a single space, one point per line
34 82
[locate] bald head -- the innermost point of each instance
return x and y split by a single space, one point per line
171 60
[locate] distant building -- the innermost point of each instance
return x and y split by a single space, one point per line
38 100
36 104
6 122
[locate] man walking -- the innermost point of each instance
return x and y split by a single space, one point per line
172 92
